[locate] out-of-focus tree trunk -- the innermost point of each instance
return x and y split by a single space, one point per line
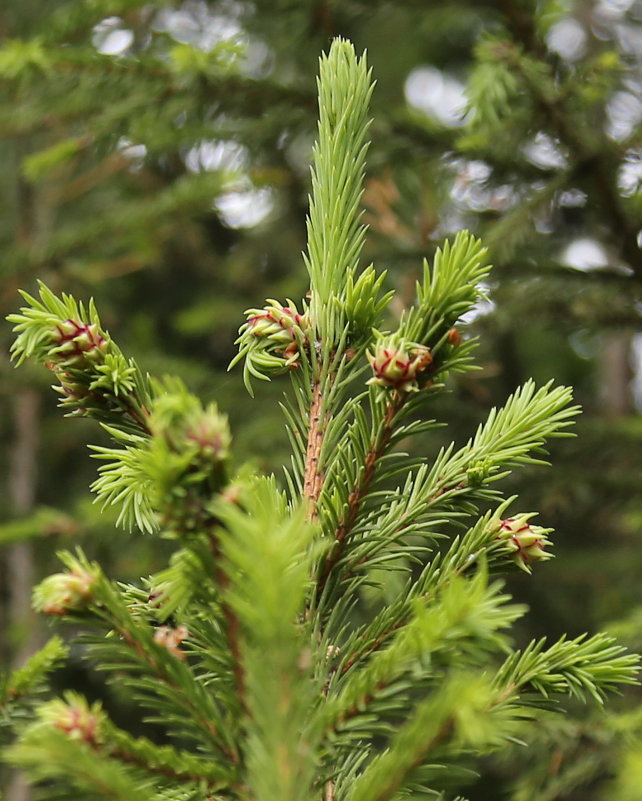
615 375
21 627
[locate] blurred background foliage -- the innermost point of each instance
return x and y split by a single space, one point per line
155 155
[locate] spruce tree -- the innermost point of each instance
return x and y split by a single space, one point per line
341 637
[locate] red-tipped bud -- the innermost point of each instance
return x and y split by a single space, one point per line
276 322
395 367
525 542
272 339
76 343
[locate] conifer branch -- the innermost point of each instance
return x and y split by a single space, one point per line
63 745
480 545
136 650
584 665
24 680
90 726
158 669
465 608
168 762
564 668
96 380
53 756
263 542
386 775
509 437
556 110
377 449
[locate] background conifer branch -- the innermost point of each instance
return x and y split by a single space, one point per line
24 681
523 59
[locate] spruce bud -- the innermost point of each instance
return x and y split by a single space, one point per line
275 322
525 542
271 340
73 392
77 343
210 432
62 593
396 366
186 427
76 718
454 337
171 639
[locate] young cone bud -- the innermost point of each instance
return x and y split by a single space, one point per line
78 343
525 542
454 338
210 432
186 427
62 593
76 718
171 639
396 366
271 340
275 322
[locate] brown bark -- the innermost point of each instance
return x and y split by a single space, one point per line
615 374
22 637
313 479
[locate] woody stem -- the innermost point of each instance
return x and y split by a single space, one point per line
313 477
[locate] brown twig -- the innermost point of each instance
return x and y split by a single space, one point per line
140 417
313 477
445 731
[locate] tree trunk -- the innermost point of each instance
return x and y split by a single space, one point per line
615 375
22 631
